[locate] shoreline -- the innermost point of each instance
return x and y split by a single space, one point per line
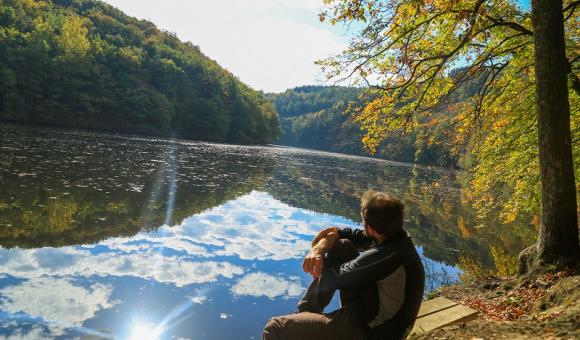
545 306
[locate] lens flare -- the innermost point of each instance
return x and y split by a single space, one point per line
171 183
144 332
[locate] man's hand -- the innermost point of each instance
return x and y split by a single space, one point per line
313 263
314 260
323 234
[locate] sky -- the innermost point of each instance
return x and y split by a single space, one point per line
270 45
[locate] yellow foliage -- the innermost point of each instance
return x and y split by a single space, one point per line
472 270
505 264
413 46
465 232
73 37
61 214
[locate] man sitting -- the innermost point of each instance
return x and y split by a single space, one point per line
380 289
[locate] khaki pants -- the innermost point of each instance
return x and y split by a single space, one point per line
311 322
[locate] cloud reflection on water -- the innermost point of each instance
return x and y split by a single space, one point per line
252 227
255 227
56 300
262 284
177 270
48 307
233 245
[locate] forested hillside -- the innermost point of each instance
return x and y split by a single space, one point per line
314 117
85 64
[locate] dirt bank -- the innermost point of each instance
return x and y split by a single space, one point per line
546 306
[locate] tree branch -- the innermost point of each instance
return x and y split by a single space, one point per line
571 6
510 24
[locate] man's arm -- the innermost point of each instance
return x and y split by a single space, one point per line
323 233
322 243
370 266
356 236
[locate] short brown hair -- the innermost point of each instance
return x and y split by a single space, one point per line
382 212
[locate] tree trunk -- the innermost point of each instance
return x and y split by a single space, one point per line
558 240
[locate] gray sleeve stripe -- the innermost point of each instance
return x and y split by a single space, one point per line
371 264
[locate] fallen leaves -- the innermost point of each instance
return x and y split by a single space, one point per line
515 304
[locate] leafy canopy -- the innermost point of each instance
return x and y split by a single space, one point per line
405 52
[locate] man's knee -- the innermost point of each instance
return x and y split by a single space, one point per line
342 251
272 329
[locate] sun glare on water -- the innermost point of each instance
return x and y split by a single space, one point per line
144 332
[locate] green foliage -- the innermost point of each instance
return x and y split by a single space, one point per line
85 64
312 117
318 117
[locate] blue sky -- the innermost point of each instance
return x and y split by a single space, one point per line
270 45
525 4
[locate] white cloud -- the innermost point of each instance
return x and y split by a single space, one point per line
148 243
24 331
261 284
269 44
56 301
251 227
198 299
176 270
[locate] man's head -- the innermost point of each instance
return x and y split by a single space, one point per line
381 212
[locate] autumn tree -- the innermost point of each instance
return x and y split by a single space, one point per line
516 127
559 229
73 38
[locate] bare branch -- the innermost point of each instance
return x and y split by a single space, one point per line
571 6
510 24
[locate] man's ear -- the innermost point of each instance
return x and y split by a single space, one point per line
369 230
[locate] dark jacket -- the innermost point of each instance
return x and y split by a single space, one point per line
392 278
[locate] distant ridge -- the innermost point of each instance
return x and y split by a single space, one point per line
318 117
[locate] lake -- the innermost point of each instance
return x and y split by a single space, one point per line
106 236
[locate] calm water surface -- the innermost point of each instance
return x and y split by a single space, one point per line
127 237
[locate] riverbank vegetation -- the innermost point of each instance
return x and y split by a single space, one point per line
85 64
321 117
